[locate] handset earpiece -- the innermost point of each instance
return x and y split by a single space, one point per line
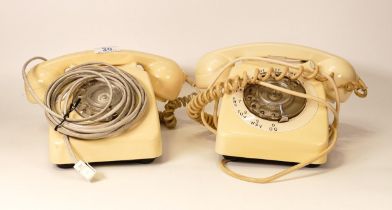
166 77
209 68
343 74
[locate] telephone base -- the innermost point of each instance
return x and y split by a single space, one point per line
142 141
240 133
264 161
139 161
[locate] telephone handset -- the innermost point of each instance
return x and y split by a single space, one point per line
274 102
101 105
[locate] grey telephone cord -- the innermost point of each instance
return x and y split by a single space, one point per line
129 109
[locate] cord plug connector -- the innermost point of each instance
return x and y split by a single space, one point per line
86 170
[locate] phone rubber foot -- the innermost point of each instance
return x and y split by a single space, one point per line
139 161
263 161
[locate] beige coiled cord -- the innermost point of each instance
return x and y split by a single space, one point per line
167 116
216 90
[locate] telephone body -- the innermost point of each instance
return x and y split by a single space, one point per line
161 79
241 133
257 122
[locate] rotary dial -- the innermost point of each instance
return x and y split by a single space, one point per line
94 97
274 105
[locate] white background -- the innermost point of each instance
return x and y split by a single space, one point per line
357 176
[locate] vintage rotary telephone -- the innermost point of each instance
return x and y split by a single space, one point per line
101 105
274 102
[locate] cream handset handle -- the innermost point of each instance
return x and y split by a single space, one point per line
166 76
346 79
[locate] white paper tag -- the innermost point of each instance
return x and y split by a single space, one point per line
85 170
106 50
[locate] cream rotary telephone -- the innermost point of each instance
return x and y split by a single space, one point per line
274 100
101 105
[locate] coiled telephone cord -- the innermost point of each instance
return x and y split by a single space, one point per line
216 90
167 116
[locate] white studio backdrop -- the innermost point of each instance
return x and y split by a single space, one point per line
357 175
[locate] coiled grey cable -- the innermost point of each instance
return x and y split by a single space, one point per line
109 121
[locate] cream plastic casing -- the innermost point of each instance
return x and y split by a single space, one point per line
159 76
142 141
303 136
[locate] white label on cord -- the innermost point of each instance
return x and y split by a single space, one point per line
85 170
102 50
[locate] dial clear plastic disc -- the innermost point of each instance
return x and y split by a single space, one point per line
274 105
94 96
